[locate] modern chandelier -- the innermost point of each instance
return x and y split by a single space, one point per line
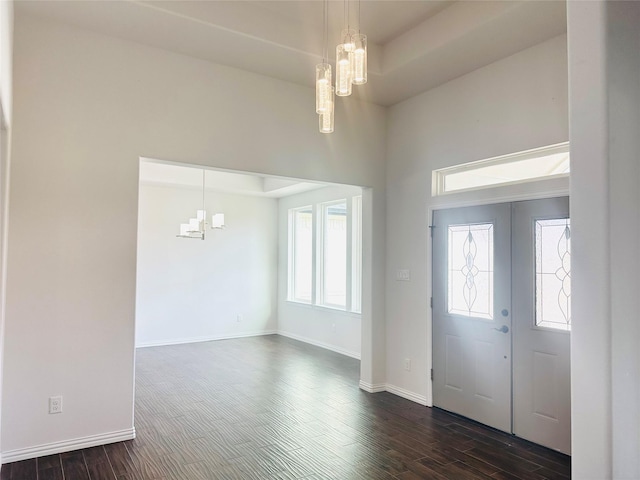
351 67
197 226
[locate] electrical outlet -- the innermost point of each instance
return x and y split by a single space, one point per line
407 364
239 318
55 404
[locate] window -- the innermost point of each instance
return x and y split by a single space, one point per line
301 254
536 164
470 264
334 254
326 272
356 255
553 273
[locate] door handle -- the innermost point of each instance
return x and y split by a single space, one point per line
503 329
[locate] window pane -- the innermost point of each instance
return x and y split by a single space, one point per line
301 255
356 255
536 164
553 273
470 270
335 254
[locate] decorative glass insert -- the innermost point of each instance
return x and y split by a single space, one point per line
553 273
470 270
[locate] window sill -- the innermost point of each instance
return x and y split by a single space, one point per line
323 307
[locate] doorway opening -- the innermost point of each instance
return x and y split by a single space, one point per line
232 282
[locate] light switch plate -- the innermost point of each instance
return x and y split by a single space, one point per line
403 275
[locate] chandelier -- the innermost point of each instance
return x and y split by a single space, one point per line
197 226
351 67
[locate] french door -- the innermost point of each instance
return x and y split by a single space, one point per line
501 317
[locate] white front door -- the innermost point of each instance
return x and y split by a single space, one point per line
471 321
506 369
541 322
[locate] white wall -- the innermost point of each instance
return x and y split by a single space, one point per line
336 330
512 105
6 101
86 107
193 290
604 74
623 36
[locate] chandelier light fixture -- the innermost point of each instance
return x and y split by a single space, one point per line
197 226
351 67
344 56
359 41
326 117
324 87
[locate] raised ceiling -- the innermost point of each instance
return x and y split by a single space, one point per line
413 45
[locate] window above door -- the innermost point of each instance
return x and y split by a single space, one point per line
537 164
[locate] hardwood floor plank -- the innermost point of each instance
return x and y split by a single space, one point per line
454 454
73 465
51 474
24 470
5 471
120 460
48 462
100 471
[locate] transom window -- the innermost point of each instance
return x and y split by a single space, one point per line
537 164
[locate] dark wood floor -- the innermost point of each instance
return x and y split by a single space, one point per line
273 408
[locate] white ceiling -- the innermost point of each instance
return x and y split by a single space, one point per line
414 45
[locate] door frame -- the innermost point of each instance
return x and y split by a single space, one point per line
455 201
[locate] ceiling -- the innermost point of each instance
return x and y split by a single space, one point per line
414 45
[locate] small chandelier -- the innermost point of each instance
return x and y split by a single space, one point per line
197 226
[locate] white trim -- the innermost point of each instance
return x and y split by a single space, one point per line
372 387
401 392
67 445
179 341
341 311
499 195
326 346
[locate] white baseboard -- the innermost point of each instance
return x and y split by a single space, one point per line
401 392
372 387
179 341
326 346
67 445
